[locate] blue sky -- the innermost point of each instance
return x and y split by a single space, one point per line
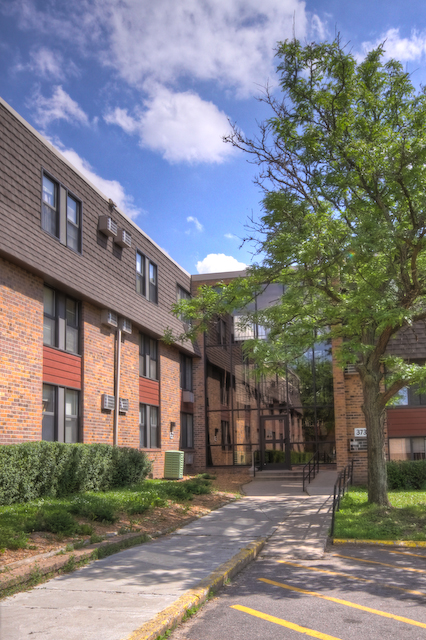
137 94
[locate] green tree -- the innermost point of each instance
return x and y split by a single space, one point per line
343 167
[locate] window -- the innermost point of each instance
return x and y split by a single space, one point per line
221 331
148 348
410 397
146 277
50 208
185 372
60 414
148 426
186 431
224 387
407 448
226 434
183 295
61 321
61 213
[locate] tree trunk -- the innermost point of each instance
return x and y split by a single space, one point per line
374 419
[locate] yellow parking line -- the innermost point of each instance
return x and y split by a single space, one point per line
284 623
346 575
384 614
383 564
406 553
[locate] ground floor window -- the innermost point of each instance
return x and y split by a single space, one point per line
407 448
148 427
60 414
186 431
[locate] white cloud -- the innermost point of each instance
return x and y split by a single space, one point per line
229 41
218 263
226 41
180 126
404 49
111 188
59 107
230 236
47 63
197 223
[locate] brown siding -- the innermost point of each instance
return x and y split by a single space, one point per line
406 421
61 368
149 391
23 156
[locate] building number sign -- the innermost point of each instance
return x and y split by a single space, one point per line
360 433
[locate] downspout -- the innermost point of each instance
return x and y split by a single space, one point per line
117 387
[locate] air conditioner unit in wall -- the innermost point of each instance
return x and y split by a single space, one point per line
109 318
187 396
107 402
123 239
107 226
189 458
123 405
125 325
350 369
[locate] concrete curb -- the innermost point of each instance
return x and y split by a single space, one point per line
173 614
390 543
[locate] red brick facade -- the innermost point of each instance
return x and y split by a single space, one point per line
21 352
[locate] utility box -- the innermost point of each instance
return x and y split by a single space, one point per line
173 465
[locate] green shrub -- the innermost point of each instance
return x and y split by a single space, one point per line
406 474
35 469
94 507
53 519
11 539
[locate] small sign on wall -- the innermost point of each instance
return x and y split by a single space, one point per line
360 432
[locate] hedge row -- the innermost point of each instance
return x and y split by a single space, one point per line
407 474
34 469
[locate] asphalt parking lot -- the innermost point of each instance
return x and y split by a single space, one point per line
352 593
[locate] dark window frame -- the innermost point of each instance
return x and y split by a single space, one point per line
146 429
61 299
62 225
186 431
144 286
146 357
186 296
186 373
60 421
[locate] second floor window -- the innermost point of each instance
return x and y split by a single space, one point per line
61 321
61 213
146 277
148 355
185 372
183 295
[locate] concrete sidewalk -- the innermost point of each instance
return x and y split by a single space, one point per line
111 598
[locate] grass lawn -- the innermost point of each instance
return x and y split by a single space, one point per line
404 520
63 516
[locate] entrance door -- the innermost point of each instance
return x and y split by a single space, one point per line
275 445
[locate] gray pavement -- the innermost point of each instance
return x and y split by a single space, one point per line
112 597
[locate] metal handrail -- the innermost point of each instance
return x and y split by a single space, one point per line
344 480
312 468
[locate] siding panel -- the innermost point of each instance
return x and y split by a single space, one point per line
61 368
406 421
149 391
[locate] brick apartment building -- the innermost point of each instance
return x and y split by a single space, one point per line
85 299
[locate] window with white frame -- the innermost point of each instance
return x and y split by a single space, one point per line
148 427
148 357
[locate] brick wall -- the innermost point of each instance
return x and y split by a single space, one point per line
199 417
98 375
21 352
